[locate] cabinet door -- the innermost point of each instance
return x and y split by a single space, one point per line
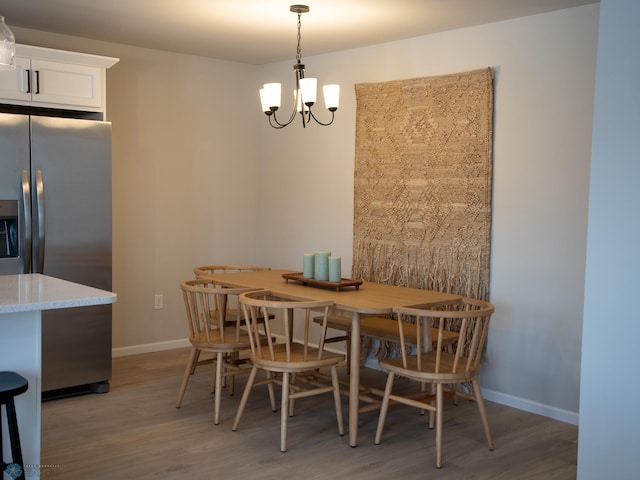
64 83
14 84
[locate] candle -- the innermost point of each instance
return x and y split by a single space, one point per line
322 265
308 260
335 269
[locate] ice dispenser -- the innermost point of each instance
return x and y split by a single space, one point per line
8 228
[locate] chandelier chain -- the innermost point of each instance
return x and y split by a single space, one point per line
299 50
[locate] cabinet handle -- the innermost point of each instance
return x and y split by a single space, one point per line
37 75
28 81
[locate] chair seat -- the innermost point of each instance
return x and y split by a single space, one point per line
428 371
383 328
11 385
214 342
297 363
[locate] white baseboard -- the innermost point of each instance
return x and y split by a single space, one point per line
149 347
531 406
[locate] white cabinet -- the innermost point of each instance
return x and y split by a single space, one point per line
36 80
56 79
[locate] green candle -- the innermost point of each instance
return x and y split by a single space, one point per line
335 269
308 259
322 265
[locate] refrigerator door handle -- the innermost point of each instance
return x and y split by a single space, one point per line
25 265
39 266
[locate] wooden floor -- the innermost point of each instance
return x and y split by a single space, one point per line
135 431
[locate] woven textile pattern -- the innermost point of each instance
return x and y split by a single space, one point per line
423 175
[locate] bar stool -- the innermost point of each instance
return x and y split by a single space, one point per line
12 385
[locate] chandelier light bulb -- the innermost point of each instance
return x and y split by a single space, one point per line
331 97
308 88
272 95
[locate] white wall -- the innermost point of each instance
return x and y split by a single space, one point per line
545 72
609 443
172 130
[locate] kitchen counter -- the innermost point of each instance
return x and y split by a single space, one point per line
22 299
35 292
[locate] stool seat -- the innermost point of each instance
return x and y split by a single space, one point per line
11 384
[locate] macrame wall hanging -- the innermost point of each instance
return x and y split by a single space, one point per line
423 175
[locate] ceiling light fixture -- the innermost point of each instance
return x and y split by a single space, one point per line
304 93
7 47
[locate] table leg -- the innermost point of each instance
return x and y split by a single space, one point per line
354 380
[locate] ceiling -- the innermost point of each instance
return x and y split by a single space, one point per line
261 31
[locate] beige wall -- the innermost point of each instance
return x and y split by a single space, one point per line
295 187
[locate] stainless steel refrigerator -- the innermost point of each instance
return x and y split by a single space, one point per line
55 218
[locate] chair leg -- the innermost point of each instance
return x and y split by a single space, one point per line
292 381
272 393
439 405
217 388
14 437
454 388
245 397
235 361
483 412
284 412
195 363
336 399
213 377
432 414
384 407
2 464
349 353
191 365
423 389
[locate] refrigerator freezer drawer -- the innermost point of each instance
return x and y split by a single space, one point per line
76 347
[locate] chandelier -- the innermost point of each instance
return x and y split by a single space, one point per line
304 94
7 47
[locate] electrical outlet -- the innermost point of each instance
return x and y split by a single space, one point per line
157 301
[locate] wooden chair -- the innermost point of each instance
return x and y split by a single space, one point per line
222 338
289 358
440 365
233 312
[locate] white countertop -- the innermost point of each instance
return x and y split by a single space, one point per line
24 293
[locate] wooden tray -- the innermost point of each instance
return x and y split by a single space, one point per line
343 283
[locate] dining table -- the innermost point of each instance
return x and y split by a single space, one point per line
354 300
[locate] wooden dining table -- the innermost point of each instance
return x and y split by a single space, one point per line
367 298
